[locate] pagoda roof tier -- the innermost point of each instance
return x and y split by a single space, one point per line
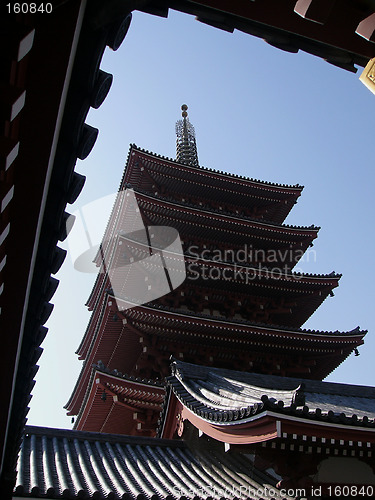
215 226
248 408
256 346
211 282
261 274
99 465
236 269
202 231
284 301
134 404
149 171
241 278
288 299
118 339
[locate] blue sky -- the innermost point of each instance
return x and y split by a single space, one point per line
258 112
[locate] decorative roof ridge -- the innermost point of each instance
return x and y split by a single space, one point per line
214 171
282 277
222 212
151 305
210 413
295 395
270 381
243 414
312 275
100 367
102 437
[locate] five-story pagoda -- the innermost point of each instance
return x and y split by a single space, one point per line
235 305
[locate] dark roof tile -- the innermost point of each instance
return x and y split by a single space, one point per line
223 395
57 463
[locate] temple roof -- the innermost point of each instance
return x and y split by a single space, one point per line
115 339
221 396
240 178
301 297
166 317
204 221
149 171
56 463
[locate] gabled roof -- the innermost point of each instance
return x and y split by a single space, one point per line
56 463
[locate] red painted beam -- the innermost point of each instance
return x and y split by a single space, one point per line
315 10
366 28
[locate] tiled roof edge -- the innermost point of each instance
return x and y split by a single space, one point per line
238 416
312 227
207 169
103 437
355 331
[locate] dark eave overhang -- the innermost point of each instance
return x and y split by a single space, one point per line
168 318
48 90
190 212
342 32
24 312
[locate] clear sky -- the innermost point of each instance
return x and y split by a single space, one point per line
258 112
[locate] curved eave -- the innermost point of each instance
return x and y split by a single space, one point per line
256 430
123 398
228 398
50 70
270 201
95 318
241 425
167 319
265 275
235 222
269 425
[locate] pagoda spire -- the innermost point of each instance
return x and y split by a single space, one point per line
186 147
